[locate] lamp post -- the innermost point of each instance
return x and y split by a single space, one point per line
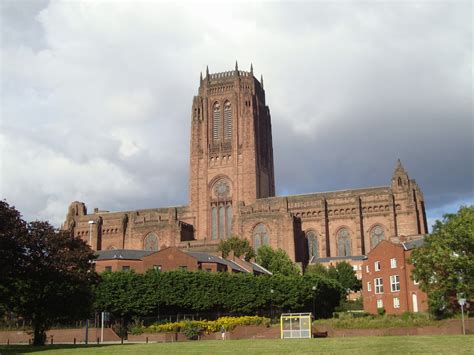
462 302
314 300
91 222
271 304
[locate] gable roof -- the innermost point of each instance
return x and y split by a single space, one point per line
259 268
123 254
209 258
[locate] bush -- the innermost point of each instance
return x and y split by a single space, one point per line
192 329
136 327
204 326
351 321
381 311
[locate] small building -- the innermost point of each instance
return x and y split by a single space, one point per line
171 259
387 280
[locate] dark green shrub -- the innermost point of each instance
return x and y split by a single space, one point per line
192 330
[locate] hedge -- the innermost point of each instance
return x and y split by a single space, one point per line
128 294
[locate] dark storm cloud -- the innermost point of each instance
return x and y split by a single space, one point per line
100 111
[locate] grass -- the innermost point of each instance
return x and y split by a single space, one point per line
357 345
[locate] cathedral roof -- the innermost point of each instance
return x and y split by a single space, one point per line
412 244
337 258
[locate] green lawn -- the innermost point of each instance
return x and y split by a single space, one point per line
367 345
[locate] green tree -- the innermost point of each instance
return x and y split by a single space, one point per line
444 265
12 231
342 273
240 247
276 261
346 276
55 278
317 269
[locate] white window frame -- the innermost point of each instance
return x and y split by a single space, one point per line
367 269
378 283
393 263
415 282
379 303
395 283
377 266
396 302
369 286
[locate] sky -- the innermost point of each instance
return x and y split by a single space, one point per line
96 96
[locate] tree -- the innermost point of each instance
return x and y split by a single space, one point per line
342 273
239 246
276 261
55 279
444 265
317 269
12 231
346 276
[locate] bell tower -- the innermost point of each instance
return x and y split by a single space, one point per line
231 160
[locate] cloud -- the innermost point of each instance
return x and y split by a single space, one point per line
96 96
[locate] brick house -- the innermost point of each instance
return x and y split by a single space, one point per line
387 279
172 259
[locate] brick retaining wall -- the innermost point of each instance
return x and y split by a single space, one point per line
448 327
59 336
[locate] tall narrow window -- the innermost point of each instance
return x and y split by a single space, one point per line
312 240
229 221
214 223
260 236
221 222
227 121
343 243
216 122
376 236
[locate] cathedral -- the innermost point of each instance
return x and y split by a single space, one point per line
232 192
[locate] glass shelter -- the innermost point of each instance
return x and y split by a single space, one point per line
295 325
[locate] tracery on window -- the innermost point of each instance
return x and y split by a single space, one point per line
151 242
260 236
227 120
376 236
216 121
221 189
343 242
312 241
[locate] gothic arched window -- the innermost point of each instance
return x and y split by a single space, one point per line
216 121
376 236
343 243
151 242
227 120
260 236
312 240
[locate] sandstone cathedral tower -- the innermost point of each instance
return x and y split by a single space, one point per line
231 151
232 192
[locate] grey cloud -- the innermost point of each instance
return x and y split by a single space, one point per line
96 99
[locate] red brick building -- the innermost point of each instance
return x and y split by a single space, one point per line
172 259
387 279
232 192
